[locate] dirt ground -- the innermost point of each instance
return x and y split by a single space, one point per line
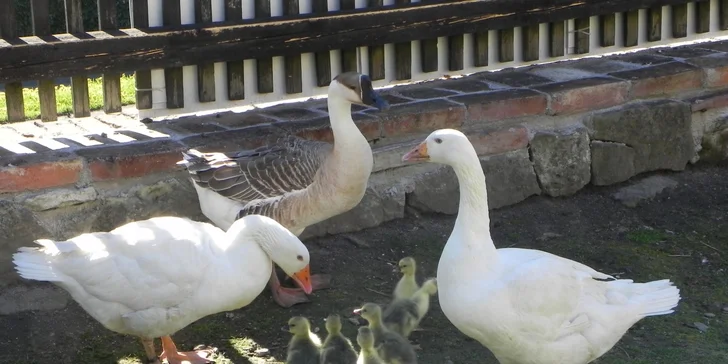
682 235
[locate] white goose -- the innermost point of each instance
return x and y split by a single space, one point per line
297 182
154 277
527 306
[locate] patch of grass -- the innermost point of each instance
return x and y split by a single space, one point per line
646 236
64 100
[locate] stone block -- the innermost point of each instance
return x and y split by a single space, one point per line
502 104
510 178
59 198
384 201
562 160
659 131
436 191
611 162
18 227
420 117
585 94
662 79
715 68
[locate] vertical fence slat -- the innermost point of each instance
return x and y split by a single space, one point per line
654 24
205 71
46 87
79 83
505 45
456 52
723 14
403 55
39 10
139 16
557 32
631 28
480 49
702 16
322 59
292 64
581 26
428 51
530 42
173 79
376 53
680 21
264 66
428 55
13 90
607 23
348 55
235 69
111 81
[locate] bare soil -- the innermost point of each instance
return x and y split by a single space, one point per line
682 234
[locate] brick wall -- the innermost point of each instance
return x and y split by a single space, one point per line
547 129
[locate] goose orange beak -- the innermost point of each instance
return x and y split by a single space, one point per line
303 279
418 154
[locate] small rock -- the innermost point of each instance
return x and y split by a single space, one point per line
316 329
709 315
548 236
262 352
229 315
700 326
725 309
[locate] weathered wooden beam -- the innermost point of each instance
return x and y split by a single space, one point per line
182 45
139 14
235 68
14 90
112 80
46 87
79 82
205 71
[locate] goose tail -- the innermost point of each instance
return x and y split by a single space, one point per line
36 263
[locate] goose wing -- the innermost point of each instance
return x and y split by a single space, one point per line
266 173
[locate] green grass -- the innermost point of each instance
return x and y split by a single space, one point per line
64 101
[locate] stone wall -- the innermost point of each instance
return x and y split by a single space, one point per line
548 129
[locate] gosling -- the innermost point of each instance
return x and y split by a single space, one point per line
305 346
337 349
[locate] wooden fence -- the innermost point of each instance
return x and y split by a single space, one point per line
198 55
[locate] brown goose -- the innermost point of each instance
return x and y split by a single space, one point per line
297 182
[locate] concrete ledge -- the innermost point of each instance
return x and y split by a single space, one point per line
548 129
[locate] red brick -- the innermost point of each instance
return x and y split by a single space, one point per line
320 128
421 117
662 79
585 94
715 68
504 104
712 100
35 176
496 141
132 160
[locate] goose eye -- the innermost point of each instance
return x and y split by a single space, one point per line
300 258
438 140
294 325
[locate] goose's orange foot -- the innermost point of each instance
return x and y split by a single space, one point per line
172 356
